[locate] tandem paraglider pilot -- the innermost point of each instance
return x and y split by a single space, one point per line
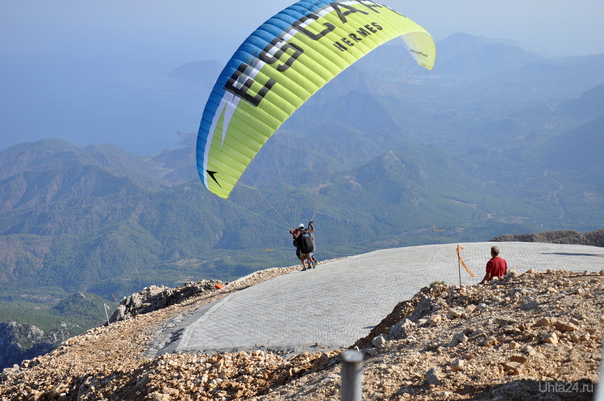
304 242
496 267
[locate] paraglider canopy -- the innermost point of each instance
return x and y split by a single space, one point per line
280 66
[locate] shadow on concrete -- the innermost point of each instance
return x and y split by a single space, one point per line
573 254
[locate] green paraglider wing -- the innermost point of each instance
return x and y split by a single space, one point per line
280 66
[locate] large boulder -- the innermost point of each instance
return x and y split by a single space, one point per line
157 297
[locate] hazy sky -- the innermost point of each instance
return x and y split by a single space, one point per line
47 47
199 27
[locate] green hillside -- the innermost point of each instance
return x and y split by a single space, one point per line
84 228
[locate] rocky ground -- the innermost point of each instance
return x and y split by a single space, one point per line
155 297
529 336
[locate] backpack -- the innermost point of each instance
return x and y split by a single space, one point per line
305 242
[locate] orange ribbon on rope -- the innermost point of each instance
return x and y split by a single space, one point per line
462 262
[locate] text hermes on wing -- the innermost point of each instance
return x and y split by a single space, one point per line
240 83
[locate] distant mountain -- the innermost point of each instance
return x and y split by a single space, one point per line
178 165
462 43
579 150
457 44
406 189
489 60
55 153
559 78
471 56
589 105
352 114
92 238
501 128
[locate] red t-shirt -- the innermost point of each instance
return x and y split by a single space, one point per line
497 267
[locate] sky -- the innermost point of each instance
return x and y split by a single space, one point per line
96 71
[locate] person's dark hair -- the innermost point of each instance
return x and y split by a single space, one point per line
495 250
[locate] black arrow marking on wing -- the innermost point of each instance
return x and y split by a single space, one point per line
212 175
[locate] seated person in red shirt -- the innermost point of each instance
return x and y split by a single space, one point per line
496 267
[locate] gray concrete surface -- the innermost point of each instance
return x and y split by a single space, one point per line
341 301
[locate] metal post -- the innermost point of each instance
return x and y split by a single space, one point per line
459 269
599 396
106 314
352 375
